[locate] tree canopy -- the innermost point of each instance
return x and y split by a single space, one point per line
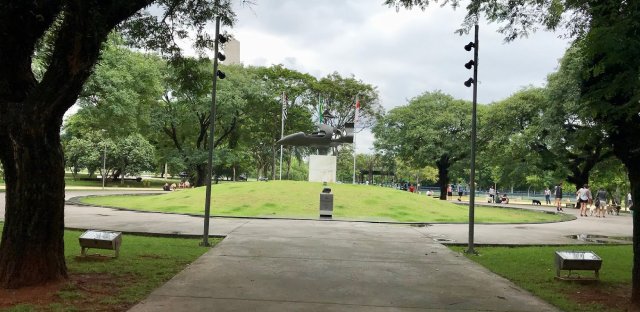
432 129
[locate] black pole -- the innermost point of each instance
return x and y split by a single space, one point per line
212 128
472 174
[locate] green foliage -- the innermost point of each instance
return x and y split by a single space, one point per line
300 200
508 135
120 95
133 155
161 26
432 129
518 18
344 164
338 95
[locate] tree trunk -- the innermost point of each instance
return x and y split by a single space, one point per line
443 175
201 175
627 149
273 172
289 159
634 179
579 179
32 247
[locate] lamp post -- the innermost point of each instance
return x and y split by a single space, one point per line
104 165
472 175
212 118
104 158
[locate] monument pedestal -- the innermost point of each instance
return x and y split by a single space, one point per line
322 168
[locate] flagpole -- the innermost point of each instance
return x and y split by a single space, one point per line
355 120
284 103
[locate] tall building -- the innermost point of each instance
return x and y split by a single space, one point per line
231 50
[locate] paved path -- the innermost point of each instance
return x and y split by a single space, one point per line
291 265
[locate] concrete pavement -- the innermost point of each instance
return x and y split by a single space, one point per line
293 265
283 265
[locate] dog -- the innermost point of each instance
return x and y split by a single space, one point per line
613 209
536 202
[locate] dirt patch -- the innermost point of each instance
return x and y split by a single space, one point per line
86 292
37 295
611 298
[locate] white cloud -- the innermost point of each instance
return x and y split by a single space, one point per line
403 53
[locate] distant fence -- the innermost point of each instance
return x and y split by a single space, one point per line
516 194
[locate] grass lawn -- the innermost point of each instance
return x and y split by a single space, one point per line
104 283
301 200
533 269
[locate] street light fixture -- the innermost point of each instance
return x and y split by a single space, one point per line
216 74
472 176
104 159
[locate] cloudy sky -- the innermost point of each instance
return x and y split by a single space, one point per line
403 53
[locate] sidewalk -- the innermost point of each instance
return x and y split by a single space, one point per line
283 265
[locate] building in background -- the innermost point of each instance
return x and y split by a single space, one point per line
231 50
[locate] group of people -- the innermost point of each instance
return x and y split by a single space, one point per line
495 197
585 198
173 186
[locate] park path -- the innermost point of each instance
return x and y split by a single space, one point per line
86 217
290 265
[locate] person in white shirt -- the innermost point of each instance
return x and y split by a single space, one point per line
584 197
547 196
492 194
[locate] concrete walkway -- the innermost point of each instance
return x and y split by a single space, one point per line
291 265
281 265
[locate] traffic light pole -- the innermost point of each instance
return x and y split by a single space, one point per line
472 175
212 128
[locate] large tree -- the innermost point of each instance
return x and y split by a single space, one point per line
608 31
433 129
338 95
72 33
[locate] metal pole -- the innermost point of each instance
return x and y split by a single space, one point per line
355 121
284 102
472 175
212 127
104 165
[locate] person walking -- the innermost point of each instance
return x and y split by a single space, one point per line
557 191
460 191
492 194
583 197
547 196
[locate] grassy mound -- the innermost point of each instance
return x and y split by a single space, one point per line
301 200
